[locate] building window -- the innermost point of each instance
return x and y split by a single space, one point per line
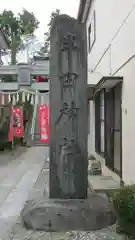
92 32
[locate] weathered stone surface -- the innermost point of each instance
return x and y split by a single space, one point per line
91 157
95 167
93 213
68 109
95 164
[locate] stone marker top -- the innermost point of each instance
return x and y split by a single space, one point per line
60 18
65 25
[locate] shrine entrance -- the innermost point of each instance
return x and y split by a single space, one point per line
20 85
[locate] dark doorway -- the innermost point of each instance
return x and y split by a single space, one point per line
113 128
117 128
109 123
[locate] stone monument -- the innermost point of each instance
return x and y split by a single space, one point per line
69 206
68 109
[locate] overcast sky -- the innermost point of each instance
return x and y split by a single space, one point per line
42 9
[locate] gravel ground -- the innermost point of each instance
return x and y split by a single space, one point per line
19 233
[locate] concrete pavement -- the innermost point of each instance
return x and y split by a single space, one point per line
20 233
17 178
20 184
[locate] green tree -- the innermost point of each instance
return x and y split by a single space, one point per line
45 49
16 27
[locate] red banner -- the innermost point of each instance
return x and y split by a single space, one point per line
43 113
16 123
10 132
37 79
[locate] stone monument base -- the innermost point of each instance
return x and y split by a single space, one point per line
55 215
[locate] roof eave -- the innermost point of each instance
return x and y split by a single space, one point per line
84 8
81 9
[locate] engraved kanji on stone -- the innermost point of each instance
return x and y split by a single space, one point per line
68 42
65 108
68 68
73 110
70 111
68 79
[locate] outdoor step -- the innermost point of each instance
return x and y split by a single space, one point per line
40 144
103 183
36 139
37 136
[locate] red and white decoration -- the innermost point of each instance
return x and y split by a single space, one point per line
16 123
43 113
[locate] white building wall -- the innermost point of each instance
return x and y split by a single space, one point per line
114 54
